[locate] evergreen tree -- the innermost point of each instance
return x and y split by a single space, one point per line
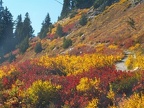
83 20
103 3
84 3
6 31
66 8
70 5
19 29
1 27
24 45
67 43
45 27
59 31
23 32
23 28
27 28
38 48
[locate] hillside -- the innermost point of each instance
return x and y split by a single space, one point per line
84 74
113 26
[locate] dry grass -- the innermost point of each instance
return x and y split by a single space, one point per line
109 27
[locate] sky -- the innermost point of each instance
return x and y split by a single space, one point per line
37 10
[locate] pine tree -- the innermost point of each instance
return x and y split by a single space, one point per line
24 45
23 28
45 27
70 5
38 48
66 8
23 32
103 3
27 28
67 43
83 20
6 31
84 3
18 30
59 31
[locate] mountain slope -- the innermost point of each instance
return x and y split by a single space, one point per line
84 75
120 24
113 24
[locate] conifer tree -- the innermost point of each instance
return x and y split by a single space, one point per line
6 31
84 3
23 32
83 20
67 43
103 3
38 47
45 27
70 5
59 31
24 45
66 8
19 29
27 28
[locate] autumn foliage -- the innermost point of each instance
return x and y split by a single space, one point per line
83 75
89 80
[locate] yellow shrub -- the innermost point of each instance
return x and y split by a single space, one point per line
122 1
2 73
42 91
86 84
111 94
136 61
77 64
135 101
140 61
112 46
93 103
100 47
130 62
135 47
6 70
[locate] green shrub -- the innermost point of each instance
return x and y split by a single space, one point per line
83 20
38 48
73 14
24 45
42 93
124 85
59 31
67 43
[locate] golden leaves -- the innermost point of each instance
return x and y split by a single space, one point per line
86 84
93 103
135 101
77 64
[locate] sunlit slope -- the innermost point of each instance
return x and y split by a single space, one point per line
121 24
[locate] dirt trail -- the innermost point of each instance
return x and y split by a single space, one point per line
121 65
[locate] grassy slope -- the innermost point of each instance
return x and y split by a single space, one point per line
110 27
